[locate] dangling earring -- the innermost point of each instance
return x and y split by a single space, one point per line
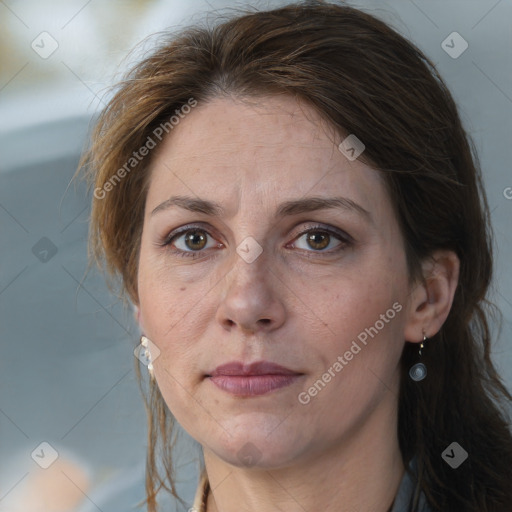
419 370
144 341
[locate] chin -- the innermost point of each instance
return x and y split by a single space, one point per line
252 446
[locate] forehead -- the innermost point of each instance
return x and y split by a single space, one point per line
258 148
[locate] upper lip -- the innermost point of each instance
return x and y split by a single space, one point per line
256 368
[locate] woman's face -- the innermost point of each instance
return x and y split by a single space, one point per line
320 291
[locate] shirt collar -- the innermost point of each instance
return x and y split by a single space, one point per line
203 487
406 491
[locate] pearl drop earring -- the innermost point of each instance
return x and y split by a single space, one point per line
144 341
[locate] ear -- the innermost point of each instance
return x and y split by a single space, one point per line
431 299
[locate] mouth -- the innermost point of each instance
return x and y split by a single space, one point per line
255 379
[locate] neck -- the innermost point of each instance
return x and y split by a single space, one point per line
361 472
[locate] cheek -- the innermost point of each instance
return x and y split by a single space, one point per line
357 300
367 308
361 352
175 314
163 297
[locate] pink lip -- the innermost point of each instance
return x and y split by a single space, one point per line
256 368
254 379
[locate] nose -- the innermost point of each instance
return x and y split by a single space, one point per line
250 299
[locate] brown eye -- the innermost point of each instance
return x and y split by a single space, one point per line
195 239
318 239
190 241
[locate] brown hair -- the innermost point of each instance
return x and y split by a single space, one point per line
363 78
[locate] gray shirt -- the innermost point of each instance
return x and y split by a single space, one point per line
405 493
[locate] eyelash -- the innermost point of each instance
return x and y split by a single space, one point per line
345 240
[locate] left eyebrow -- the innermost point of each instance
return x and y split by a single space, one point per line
285 209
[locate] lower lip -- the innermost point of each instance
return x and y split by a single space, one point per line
254 385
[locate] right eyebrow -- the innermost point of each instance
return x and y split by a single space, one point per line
288 208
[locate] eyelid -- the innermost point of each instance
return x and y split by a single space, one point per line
329 229
341 235
183 229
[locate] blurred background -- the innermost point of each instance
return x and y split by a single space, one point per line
72 421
